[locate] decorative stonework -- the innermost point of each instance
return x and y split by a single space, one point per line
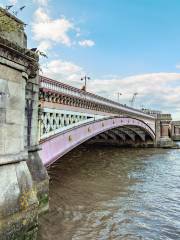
17 55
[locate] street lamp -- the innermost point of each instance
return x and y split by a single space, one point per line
118 95
85 78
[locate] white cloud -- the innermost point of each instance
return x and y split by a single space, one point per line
44 46
159 91
155 90
46 29
13 2
49 32
178 66
41 2
87 43
41 16
63 71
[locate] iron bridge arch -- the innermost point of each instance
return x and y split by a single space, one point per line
125 128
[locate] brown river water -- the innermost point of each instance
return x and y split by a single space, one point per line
109 193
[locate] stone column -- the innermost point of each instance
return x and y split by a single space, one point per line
18 198
38 171
176 130
172 130
21 170
163 128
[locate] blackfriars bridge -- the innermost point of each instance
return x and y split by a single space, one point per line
43 119
69 116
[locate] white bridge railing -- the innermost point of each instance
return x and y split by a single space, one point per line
54 121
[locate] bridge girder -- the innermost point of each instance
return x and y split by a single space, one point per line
122 132
111 135
119 134
104 136
127 132
137 131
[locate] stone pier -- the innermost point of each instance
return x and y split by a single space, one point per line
163 128
24 180
175 130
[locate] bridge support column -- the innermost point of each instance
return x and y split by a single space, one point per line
36 167
175 130
18 196
163 131
22 175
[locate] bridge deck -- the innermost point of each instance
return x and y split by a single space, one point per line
69 95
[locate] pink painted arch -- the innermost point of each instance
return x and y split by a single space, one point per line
56 146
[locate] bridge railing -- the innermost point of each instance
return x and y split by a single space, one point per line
53 121
57 86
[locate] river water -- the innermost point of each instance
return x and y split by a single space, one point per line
109 193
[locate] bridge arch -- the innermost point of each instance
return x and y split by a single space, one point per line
56 146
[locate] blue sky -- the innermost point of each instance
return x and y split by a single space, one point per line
124 45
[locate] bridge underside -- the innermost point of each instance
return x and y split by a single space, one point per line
121 131
130 136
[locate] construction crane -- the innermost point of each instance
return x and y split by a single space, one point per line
132 101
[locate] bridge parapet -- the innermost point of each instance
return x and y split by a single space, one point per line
63 93
57 95
54 121
164 116
17 37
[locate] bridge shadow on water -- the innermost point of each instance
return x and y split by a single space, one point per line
103 192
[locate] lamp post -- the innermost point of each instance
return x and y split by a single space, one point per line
85 78
118 96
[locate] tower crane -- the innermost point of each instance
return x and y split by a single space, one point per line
132 101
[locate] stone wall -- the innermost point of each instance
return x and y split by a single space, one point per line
17 36
24 180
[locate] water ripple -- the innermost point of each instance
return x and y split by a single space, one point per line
114 194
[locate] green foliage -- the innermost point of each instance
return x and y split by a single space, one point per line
8 24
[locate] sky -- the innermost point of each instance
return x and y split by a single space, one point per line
124 46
